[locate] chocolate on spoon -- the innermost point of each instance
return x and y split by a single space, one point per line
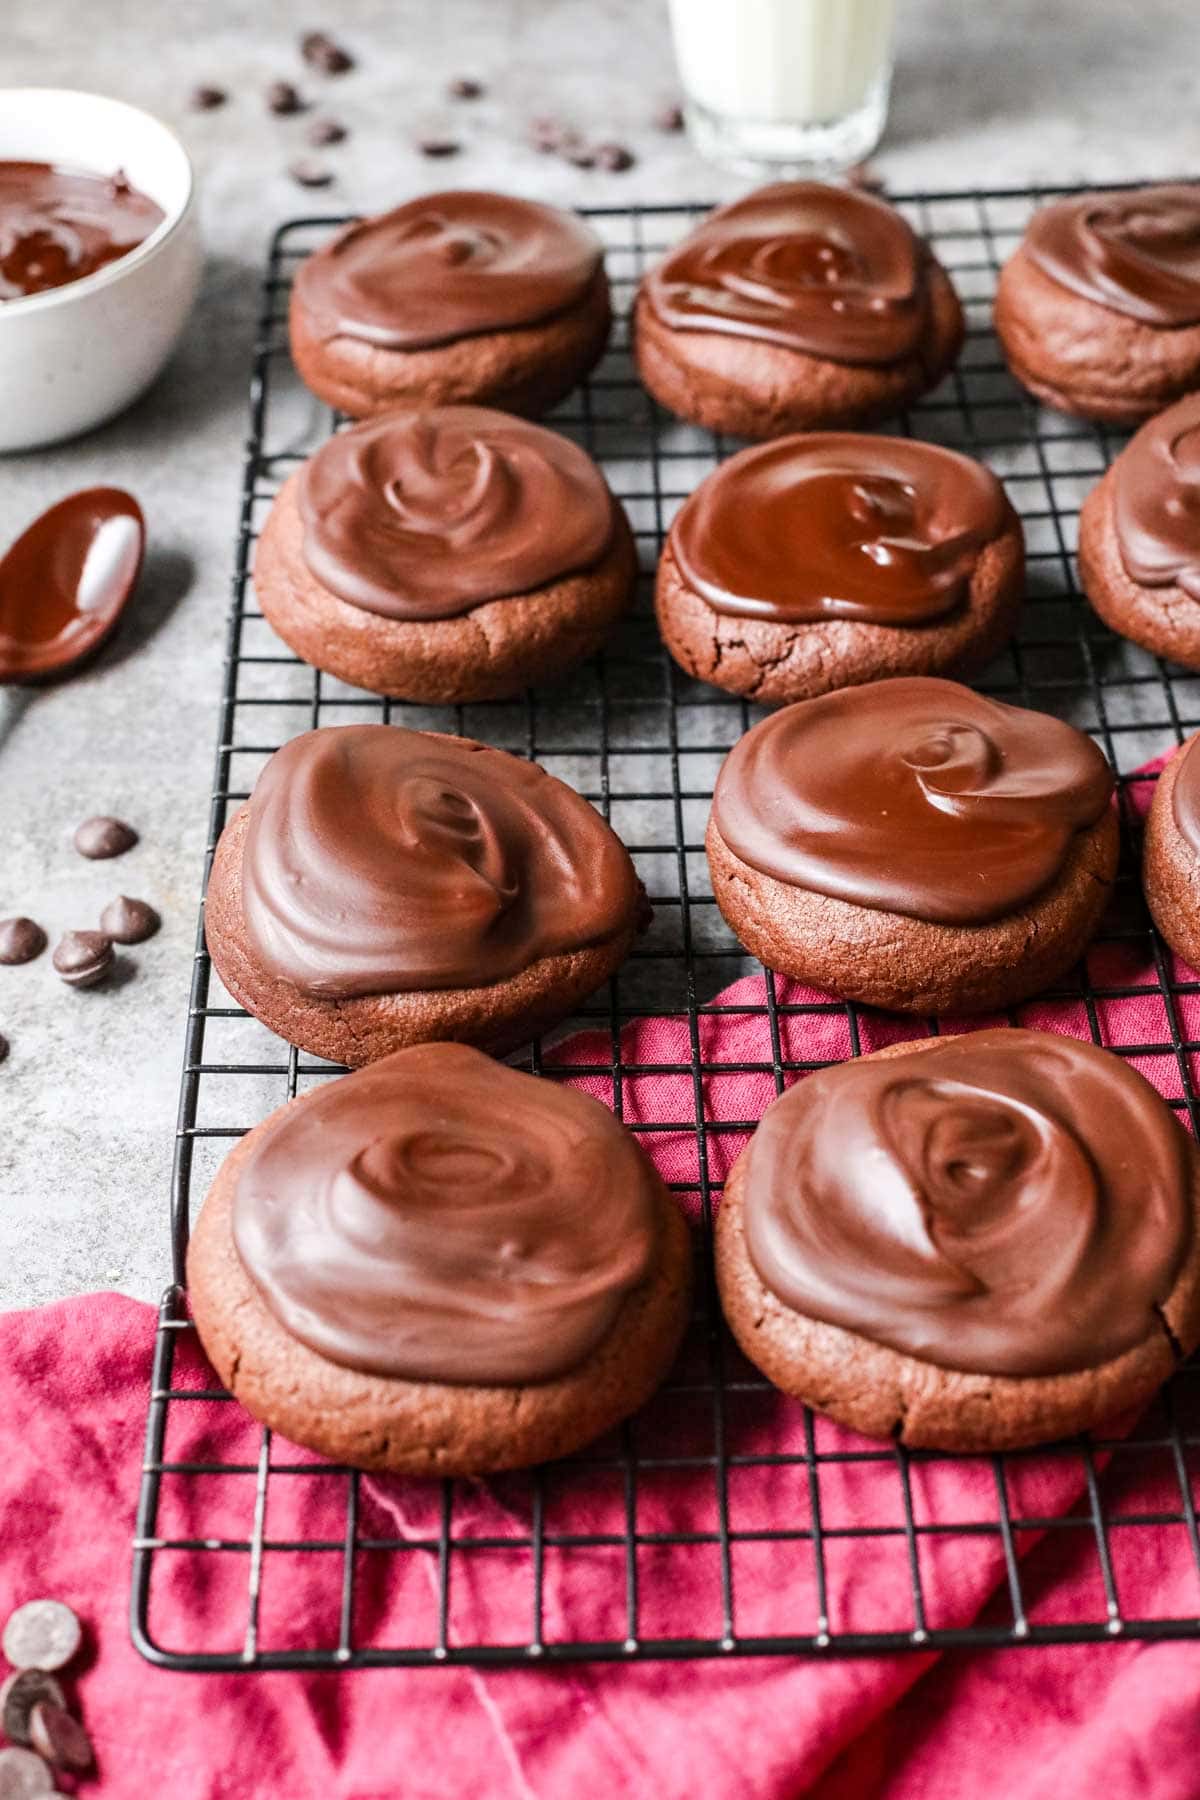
65 582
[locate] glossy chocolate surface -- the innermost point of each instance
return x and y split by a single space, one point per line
58 225
450 265
825 270
915 796
1137 253
378 860
1156 500
838 525
1185 794
65 582
440 1217
426 515
1009 1202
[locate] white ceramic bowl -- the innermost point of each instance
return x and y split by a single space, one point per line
72 357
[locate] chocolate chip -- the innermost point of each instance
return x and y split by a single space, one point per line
552 137
669 117
84 959
21 940
3 1048
310 174
321 52
23 1690
102 837
284 98
58 1737
23 1776
613 157
42 1634
464 88
438 146
326 131
128 921
207 99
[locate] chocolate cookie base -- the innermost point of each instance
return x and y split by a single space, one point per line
753 389
361 1029
1084 358
908 965
525 371
1171 872
774 662
1162 619
492 652
422 1427
886 1393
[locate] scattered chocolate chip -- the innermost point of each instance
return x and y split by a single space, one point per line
207 99
321 52
613 157
84 959
3 1048
42 1634
310 174
552 137
58 1737
102 837
23 1690
128 921
326 131
23 1776
21 940
464 88
580 156
669 117
284 98
438 146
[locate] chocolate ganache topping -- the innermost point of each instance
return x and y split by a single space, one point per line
916 796
821 269
58 225
1136 253
378 860
1156 500
1010 1202
838 525
426 515
449 266
440 1217
1185 794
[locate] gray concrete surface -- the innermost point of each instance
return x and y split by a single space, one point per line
1034 89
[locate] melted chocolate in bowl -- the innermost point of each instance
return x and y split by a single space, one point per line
65 582
58 225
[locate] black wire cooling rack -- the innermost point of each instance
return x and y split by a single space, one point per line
723 1520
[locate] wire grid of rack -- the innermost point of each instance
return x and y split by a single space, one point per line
660 1515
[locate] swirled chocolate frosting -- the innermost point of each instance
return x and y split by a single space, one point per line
58 225
915 796
821 269
1010 1202
426 515
377 860
1136 253
448 266
440 1217
1185 794
838 525
1156 500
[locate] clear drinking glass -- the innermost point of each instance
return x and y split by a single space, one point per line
789 83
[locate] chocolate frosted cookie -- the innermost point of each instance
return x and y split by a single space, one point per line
440 1266
1171 858
386 887
460 296
824 560
450 555
914 845
800 306
967 1243
1139 537
1098 309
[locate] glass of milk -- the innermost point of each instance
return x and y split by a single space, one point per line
784 82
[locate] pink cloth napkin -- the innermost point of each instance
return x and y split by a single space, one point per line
1020 1724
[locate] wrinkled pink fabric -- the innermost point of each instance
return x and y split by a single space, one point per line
1121 1718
